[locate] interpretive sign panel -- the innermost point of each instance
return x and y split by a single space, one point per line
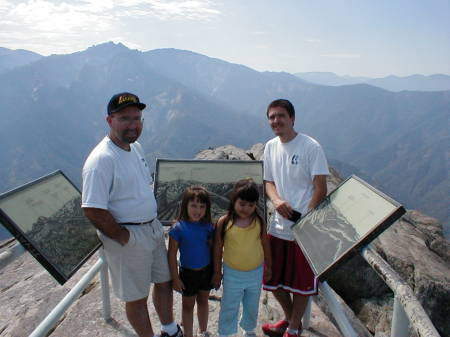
217 176
45 216
349 218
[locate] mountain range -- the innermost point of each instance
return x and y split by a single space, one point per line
436 82
10 59
53 113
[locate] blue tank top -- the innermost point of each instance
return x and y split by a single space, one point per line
193 242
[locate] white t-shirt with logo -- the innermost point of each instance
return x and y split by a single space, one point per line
292 167
119 181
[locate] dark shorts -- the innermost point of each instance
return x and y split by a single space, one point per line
196 280
290 269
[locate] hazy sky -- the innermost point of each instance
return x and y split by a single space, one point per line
349 37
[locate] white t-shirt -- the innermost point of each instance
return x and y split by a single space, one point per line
292 167
119 181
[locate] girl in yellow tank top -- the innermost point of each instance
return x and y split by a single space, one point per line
240 239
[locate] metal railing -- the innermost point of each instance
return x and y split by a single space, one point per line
407 309
10 254
52 318
407 312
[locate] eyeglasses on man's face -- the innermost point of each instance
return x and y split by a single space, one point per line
124 120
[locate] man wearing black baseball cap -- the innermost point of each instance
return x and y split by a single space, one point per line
118 199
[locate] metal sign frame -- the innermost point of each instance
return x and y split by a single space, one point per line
348 219
172 176
45 216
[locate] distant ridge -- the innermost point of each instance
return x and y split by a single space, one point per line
436 82
10 59
397 141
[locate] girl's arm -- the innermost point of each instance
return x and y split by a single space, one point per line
267 253
217 254
177 284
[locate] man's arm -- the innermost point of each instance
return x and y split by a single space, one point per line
280 205
320 190
105 222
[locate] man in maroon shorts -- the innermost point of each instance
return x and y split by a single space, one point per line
295 170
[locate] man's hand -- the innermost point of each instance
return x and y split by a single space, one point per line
103 220
124 236
283 208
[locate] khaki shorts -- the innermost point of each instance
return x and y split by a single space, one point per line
142 261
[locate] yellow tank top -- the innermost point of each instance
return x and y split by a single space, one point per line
242 248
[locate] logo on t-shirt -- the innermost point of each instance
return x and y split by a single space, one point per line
294 159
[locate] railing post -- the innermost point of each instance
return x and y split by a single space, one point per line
10 254
307 314
400 322
104 279
335 308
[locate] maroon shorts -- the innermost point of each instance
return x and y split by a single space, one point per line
290 269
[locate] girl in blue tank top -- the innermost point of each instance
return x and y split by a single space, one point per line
192 236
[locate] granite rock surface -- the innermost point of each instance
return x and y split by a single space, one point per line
413 246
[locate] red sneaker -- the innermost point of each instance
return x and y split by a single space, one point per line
277 329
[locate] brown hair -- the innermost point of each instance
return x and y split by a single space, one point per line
282 103
199 193
244 189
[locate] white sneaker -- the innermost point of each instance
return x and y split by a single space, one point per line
204 334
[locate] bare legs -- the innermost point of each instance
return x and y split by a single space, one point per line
137 311
137 314
163 301
293 307
202 312
187 315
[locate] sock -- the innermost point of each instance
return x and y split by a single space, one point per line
170 328
292 331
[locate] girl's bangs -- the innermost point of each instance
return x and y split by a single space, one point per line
200 195
249 194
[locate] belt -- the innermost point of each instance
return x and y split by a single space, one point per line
137 223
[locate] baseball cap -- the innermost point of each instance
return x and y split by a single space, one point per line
122 100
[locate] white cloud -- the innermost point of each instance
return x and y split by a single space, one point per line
42 17
260 32
288 55
64 24
342 56
191 9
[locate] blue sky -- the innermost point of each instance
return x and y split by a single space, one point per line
372 38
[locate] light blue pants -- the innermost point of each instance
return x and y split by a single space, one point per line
239 286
